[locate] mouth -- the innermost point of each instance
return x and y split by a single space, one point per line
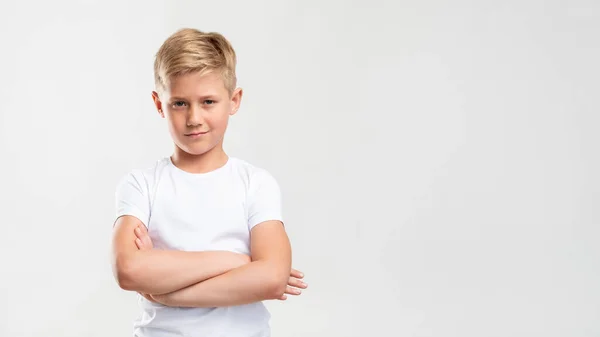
196 134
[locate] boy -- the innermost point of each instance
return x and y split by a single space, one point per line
199 235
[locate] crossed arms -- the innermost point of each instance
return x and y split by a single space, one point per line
209 278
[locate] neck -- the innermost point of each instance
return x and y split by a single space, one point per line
202 163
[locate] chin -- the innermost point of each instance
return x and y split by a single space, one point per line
196 150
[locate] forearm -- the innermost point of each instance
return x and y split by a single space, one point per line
254 282
165 271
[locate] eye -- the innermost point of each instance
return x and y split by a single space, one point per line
209 102
179 104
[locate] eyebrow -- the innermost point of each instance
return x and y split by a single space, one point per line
202 97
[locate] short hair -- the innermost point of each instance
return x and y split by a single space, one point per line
189 50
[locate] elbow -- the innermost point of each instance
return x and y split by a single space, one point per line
125 272
277 286
277 291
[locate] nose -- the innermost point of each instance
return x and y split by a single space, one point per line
195 117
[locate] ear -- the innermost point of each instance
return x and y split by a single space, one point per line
158 104
236 100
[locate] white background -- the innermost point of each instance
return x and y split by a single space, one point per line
439 160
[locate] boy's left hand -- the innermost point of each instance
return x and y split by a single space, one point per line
295 284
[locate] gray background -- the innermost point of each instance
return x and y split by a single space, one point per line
438 159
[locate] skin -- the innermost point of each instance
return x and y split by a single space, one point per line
198 103
295 282
197 108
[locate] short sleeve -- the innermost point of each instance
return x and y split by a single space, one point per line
132 197
264 199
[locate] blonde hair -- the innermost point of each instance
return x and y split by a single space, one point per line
190 50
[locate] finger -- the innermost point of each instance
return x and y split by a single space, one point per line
141 231
139 243
146 296
292 291
296 273
138 232
147 241
297 283
283 297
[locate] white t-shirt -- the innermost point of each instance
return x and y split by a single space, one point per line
198 212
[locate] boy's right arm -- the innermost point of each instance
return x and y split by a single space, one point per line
156 271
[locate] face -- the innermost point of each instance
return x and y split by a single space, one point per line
197 109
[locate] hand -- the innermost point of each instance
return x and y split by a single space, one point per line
149 297
143 241
243 259
295 284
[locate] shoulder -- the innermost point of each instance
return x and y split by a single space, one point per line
145 176
252 175
263 194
